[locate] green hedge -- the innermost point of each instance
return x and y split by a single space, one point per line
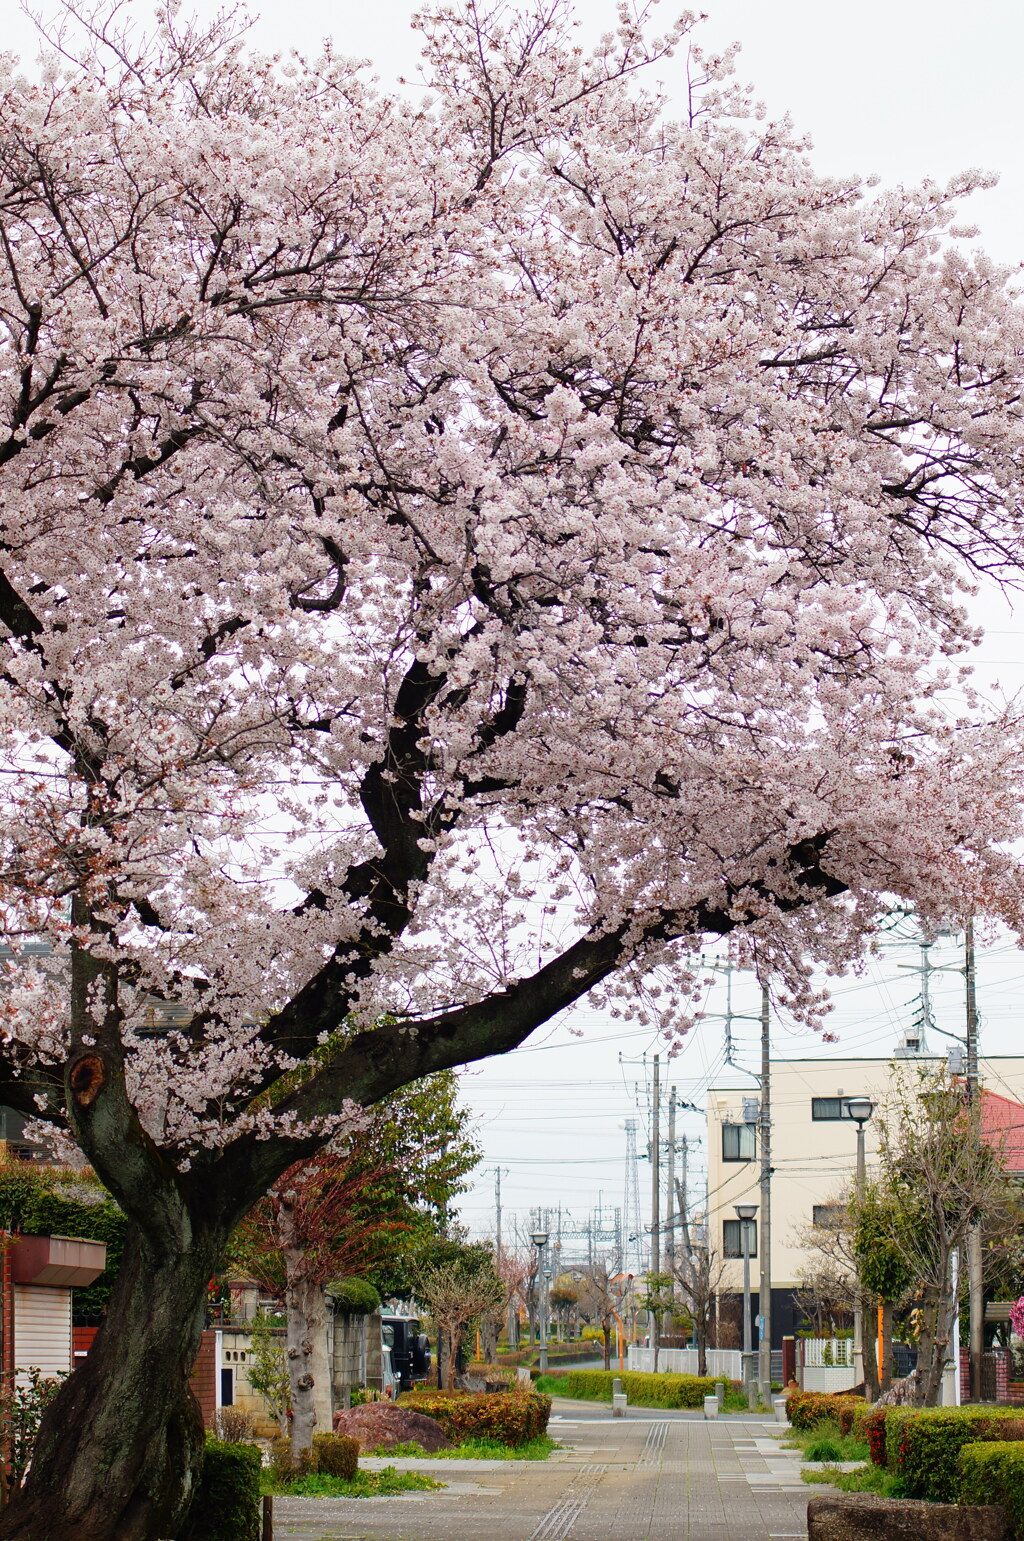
335 1455
993 1473
806 1408
226 1506
642 1387
924 1443
354 1297
511 1417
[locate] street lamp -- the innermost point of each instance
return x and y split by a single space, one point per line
860 1110
540 1241
746 1213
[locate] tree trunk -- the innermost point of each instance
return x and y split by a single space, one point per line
932 1346
121 1446
607 1345
701 1329
308 1370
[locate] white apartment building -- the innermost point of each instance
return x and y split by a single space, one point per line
813 1154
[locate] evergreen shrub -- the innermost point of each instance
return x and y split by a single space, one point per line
226 1505
335 1455
642 1387
928 1443
993 1473
806 1408
511 1417
354 1297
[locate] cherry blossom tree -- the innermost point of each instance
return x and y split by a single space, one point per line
458 555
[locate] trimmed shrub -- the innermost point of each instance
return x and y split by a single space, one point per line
642 1387
226 1505
929 1443
993 1473
871 1423
354 1297
511 1417
335 1455
806 1408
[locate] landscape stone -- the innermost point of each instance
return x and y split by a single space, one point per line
867 1517
382 1425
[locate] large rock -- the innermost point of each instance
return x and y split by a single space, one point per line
866 1517
382 1425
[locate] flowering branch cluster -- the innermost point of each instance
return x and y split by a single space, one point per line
456 556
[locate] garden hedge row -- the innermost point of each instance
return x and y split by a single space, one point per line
512 1417
642 1387
806 1408
226 1505
993 1473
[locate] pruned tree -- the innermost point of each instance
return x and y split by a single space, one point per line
456 558
456 1294
601 1293
698 1276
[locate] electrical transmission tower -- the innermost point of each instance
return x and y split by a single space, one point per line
632 1224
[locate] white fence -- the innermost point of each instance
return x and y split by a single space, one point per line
825 1364
827 1353
723 1363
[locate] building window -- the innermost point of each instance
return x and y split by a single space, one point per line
738 1142
732 1238
830 1107
830 1215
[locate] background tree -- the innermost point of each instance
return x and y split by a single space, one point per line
938 1176
884 1273
455 559
698 1276
346 1212
456 1294
601 1293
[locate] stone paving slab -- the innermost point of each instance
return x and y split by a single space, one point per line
649 1479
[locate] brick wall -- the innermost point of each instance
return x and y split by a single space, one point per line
203 1379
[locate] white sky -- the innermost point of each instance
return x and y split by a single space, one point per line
898 88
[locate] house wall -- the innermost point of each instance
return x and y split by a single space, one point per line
812 1160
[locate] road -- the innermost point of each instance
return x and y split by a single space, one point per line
652 1476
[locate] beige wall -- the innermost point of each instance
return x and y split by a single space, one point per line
812 1160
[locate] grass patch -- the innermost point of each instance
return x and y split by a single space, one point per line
365 1484
825 1443
477 1450
868 1479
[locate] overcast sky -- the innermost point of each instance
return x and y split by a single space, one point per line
897 88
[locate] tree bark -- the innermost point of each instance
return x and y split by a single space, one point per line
121 1446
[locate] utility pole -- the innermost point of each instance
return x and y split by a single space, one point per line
975 1268
764 1367
671 1216
497 1211
655 1197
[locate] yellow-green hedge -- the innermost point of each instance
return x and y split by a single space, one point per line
642 1387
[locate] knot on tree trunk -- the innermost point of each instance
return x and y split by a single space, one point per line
87 1076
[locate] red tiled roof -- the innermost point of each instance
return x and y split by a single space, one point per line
1002 1123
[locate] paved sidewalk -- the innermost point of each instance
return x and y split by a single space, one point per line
645 1478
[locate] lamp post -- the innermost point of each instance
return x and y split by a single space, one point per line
860 1110
746 1213
540 1241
